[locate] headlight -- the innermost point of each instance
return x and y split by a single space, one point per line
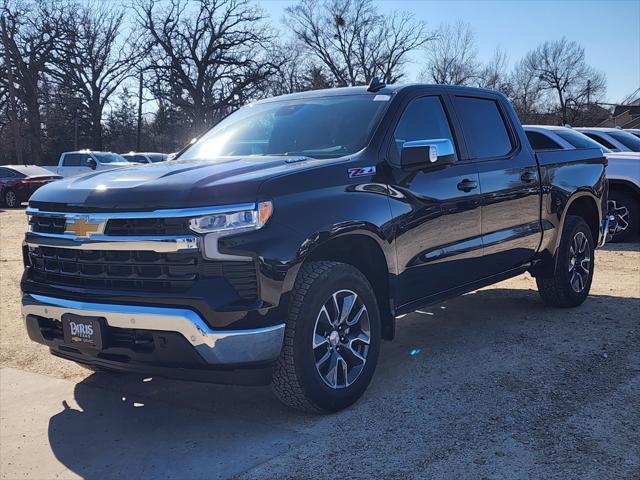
231 221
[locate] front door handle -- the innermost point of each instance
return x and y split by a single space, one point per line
528 176
467 185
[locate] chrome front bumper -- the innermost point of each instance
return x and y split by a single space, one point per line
217 347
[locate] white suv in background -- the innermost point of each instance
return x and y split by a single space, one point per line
623 173
615 139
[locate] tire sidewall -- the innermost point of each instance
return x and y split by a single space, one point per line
339 277
575 225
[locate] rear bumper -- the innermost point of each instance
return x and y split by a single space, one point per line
177 340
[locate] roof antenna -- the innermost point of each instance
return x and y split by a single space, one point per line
375 85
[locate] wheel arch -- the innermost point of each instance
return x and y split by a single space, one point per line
365 253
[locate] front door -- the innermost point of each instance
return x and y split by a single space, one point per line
437 211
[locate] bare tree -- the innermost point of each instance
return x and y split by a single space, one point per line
213 57
451 57
494 74
32 31
96 59
353 41
524 92
561 69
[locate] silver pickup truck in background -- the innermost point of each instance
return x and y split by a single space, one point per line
85 161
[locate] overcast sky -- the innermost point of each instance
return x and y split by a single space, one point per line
608 30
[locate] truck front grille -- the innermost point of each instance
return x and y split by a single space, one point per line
136 270
47 224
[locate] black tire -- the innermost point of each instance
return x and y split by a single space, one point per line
10 199
296 381
625 207
558 290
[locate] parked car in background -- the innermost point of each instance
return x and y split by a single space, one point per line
633 131
145 157
614 139
623 173
18 182
85 161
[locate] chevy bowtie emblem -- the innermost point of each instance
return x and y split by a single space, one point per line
82 227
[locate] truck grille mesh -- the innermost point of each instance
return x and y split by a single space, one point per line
136 270
42 223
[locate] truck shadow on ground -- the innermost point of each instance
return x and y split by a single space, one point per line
427 378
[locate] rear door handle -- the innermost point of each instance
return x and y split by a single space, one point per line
467 185
528 176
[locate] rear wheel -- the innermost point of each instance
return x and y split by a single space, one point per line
571 281
626 211
332 339
10 199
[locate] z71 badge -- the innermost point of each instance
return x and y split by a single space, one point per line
362 171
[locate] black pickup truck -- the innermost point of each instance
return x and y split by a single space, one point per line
282 245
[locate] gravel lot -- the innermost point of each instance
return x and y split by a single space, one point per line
500 387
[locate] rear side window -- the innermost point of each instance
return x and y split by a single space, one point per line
539 141
601 140
72 160
628 140
423 119
484 128
6 173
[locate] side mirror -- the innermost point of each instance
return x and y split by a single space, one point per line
421 154
91 163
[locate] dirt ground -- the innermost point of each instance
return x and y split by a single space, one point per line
489 385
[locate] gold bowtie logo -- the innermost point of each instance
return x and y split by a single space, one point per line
81 227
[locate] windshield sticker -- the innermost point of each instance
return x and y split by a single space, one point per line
362 171
381 98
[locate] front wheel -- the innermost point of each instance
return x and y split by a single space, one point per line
571 281
332 339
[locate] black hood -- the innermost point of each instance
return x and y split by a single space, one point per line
172 184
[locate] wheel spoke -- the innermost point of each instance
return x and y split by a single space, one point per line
358 316
324 358
575 282
347 306
319 340
332 373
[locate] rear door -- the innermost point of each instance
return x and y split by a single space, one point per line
509 182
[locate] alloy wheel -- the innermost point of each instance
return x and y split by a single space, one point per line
621 212
10 199
341 339
579 262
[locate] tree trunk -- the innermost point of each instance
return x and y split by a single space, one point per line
96 127
33 128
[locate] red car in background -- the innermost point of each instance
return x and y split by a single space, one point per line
18 182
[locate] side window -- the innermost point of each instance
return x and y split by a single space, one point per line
539 141
72 160
484 127
601 141
6 173
423 119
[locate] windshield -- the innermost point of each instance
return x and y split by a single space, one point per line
628 140
325 127
109 157
580 140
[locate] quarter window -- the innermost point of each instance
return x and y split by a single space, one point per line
539 141
423 119
484 128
